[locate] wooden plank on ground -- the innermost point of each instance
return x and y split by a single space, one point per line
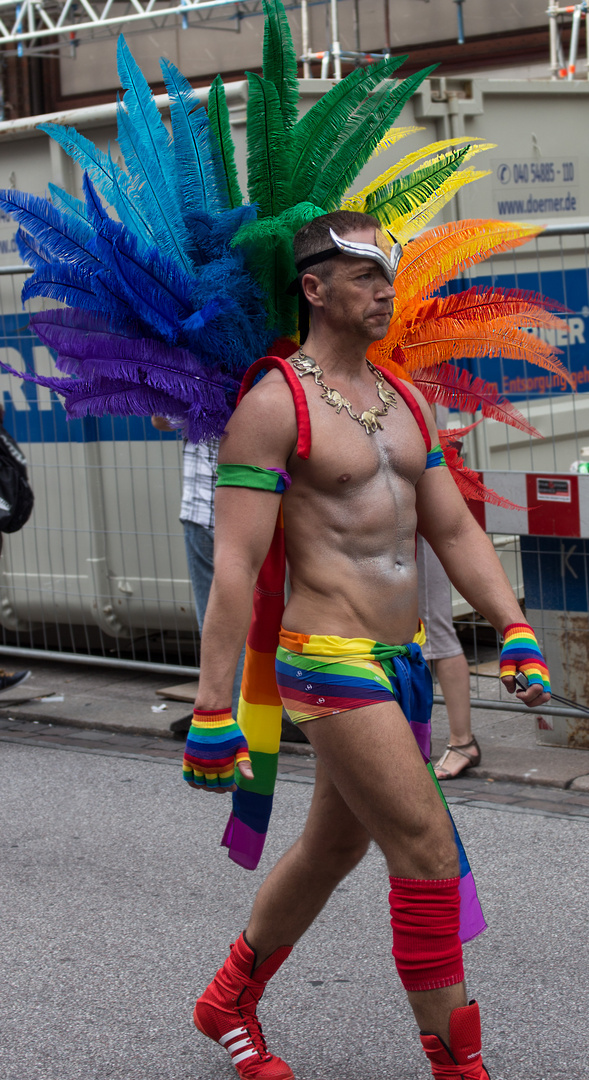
182 692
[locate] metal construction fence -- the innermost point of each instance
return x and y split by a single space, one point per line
99 573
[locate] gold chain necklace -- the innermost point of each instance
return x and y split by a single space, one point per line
305 365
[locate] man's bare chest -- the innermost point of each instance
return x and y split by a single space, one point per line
344 456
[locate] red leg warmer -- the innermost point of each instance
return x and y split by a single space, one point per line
425 917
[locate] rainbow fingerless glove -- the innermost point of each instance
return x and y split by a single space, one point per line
214 747
521 652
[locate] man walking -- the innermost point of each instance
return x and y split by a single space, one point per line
349 664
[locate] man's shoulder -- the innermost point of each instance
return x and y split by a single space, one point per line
265 419
271 392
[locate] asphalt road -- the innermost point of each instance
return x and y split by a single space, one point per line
118 905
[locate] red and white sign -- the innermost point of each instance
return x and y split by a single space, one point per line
557 504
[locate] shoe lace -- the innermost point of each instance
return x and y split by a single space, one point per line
251 1022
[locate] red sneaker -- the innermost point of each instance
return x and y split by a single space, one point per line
226 1012
462 1059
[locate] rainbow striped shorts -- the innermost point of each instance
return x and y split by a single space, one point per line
322 675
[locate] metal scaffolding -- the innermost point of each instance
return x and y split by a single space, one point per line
36 25
561 68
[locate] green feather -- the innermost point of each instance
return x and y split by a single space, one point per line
360 137
406 193
267 245
320 129
280 60
221 130
268 160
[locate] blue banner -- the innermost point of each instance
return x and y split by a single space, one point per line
517 380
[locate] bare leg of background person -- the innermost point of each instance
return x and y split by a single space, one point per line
453 676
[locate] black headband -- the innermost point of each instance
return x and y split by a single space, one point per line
311 260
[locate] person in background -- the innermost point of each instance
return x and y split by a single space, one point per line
10 679
197 514
443 649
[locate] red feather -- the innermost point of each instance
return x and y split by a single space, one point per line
459 390
469 485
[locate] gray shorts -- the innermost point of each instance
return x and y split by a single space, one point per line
435 605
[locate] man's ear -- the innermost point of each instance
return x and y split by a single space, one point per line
313 289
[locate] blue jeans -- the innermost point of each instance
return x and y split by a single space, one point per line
199 554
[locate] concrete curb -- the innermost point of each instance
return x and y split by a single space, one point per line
541 767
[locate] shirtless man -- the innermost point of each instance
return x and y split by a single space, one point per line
350 519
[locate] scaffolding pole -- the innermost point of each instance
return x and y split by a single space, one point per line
559 67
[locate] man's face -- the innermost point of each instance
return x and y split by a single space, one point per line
357 295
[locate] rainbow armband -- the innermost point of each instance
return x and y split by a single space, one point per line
435 457
214 747
252 476
521 652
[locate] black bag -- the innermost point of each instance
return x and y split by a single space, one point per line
16 495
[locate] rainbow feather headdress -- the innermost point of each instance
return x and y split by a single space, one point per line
171 286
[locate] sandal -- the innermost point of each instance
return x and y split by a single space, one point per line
472 759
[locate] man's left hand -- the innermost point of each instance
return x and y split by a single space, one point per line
521 653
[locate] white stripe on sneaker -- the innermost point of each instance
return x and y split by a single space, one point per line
241 1057
239 1045
232 1035
236 1040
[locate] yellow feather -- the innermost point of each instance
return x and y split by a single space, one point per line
404 226
472 150
420 155
393 135
390 174
438 254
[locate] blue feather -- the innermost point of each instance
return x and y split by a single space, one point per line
78 320
198 161
110 179
66 203
147 149
239 340
66 284
63 238
30 252
212 236
153 286
94 209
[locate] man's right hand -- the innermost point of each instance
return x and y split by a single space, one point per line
214 748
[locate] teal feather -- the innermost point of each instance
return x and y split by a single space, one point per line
218 111
318 133
147 149
267 160
66 203
194 149
280 60
110 179
360 137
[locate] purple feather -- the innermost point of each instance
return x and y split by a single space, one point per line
80 319
91 354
